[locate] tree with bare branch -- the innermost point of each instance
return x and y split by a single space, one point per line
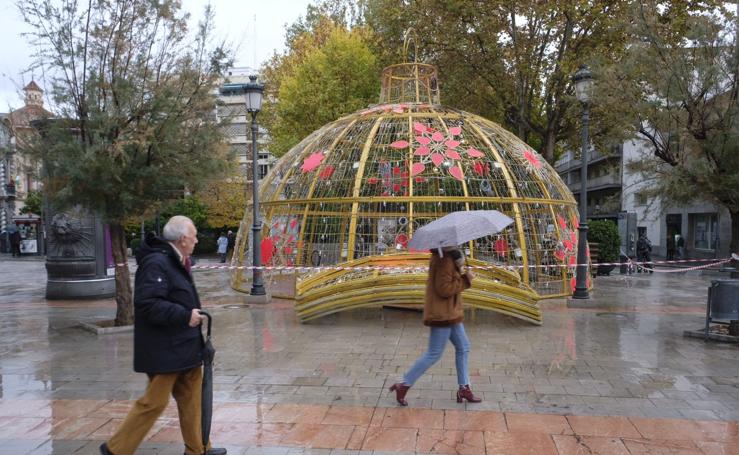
676 90
134 91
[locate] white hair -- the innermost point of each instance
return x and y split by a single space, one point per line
176 227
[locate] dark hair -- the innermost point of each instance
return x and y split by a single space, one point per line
455 254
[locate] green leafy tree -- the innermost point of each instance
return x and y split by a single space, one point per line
334 80
225 202
190 206
33 203
511 62
327 71
135 91
676 90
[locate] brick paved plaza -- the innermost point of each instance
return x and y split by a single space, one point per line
615 378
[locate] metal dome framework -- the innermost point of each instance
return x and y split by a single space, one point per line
352 193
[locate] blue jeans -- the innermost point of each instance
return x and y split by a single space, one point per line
437 342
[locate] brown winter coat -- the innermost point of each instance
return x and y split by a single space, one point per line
443 304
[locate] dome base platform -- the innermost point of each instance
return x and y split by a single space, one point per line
400 280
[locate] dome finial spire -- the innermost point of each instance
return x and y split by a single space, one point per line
410 37
410 82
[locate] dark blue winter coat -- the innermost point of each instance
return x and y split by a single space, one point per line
164 297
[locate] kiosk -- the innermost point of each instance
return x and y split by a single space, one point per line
32 234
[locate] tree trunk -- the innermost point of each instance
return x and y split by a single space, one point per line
123 295
550 140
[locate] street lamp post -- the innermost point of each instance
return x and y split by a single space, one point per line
583 81
254 92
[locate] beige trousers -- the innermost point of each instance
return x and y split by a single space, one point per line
186 388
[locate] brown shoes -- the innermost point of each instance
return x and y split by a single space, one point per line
400 390
465 393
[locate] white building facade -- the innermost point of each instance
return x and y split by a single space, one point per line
618 194
233 109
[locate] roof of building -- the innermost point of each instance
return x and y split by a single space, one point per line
32 86
23 117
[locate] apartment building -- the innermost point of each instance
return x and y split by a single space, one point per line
618 194
233 108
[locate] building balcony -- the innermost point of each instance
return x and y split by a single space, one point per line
596 183
594 156
607 209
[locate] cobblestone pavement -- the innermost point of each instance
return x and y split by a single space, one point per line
615 377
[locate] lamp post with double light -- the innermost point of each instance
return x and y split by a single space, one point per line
583 81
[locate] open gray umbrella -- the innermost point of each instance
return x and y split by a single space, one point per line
207 395
457 228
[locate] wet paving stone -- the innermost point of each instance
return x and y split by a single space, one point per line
285 387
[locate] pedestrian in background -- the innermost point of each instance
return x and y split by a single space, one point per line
680 247
168 344
670 247
644 254
222 246
15 240
231 240
443 313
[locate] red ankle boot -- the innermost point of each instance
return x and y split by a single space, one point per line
465 393
400 390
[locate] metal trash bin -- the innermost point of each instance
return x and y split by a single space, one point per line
723 302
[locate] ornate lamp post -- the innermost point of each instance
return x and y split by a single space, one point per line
583 81
254 92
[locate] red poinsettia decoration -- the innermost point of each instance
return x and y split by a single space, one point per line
394 179
565 250
561 221
277 249
267 250
312 162
435 147
532 158
480 168
326 172
500 246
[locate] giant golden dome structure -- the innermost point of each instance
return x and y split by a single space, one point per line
340 207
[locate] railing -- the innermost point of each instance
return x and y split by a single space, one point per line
603 180
593 157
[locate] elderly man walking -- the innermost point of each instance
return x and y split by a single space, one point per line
168 343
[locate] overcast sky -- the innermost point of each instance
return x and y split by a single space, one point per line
234 21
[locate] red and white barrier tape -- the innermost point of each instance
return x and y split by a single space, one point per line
641 265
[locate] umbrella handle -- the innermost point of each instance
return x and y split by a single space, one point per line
210 320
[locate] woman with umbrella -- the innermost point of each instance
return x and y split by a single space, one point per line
443 313
442 309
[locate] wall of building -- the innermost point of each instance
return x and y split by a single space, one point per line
649 213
